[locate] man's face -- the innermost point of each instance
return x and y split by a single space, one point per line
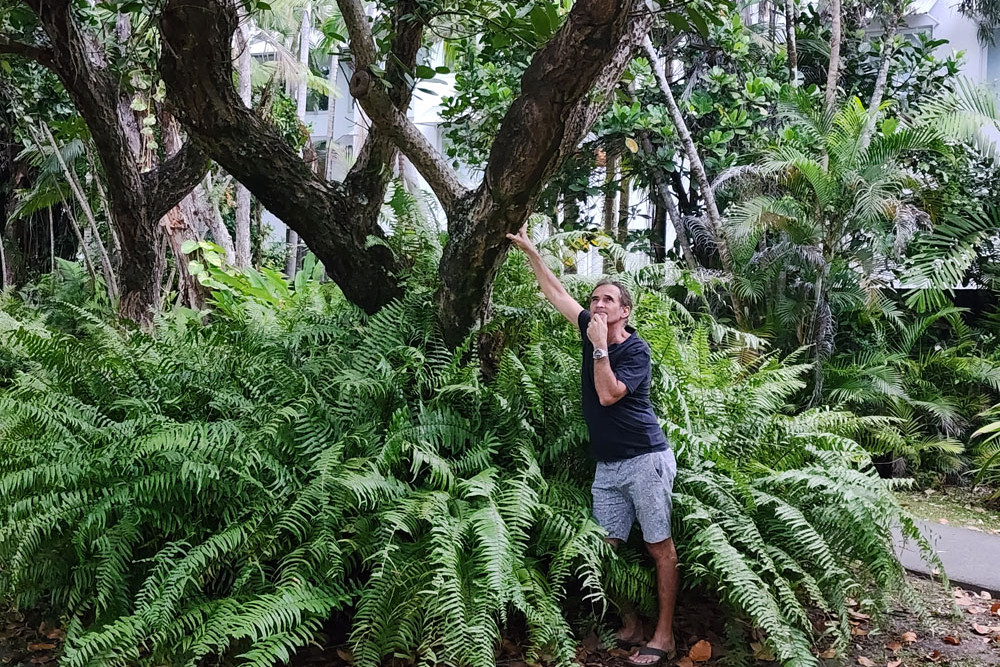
606 300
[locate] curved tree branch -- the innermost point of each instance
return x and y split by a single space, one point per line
174 178
196 64
388 114
40 54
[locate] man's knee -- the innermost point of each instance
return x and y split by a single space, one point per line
662 551
614 542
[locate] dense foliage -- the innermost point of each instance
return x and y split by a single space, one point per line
222 488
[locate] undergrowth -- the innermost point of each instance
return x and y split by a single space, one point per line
221 487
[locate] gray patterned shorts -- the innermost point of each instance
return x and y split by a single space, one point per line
635 488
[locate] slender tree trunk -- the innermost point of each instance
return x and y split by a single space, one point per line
701 176
138 195
888 50
833 71
790 46
665 199
332 150
242 41
608 212
623 215
87 260
624 209
111 285
291 236
102 196
52 243
658 232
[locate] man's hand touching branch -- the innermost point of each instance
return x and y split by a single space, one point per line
551 287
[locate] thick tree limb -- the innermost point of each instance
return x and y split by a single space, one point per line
40 54
568 84
196 65
371 171
388 114
174 179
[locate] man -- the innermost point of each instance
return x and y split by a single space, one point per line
635 466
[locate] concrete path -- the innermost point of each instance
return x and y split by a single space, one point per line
971 559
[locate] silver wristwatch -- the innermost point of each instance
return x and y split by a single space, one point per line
599 353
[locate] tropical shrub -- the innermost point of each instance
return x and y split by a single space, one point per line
221 488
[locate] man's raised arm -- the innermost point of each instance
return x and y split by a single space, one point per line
551 287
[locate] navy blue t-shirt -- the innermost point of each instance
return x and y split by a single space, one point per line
629 427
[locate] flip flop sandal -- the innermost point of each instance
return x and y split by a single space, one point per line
661 656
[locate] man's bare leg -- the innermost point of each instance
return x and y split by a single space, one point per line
665 556
631 630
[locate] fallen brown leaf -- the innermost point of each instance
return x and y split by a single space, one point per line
981 629
975 610
859 632
701 651
619 653
866 662
995 608
951 639
934 656
909 637
894 663
985 595
828 654
965 602
857 615
761 651
346 656
685 662
58 633
894 646
41 647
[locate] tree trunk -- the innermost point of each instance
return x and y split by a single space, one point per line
242 41
608 212
665 199
301 92
623 216
566 86
111 285
137 198
790 46
336 220
658 233
624 209
569 82
888 50
715 224
833 71
332 150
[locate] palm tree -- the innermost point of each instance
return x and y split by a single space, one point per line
828 219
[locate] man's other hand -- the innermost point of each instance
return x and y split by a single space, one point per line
522 240
597 330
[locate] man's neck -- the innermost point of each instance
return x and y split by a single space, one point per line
617 334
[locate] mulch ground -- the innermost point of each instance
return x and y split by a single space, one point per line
957 629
